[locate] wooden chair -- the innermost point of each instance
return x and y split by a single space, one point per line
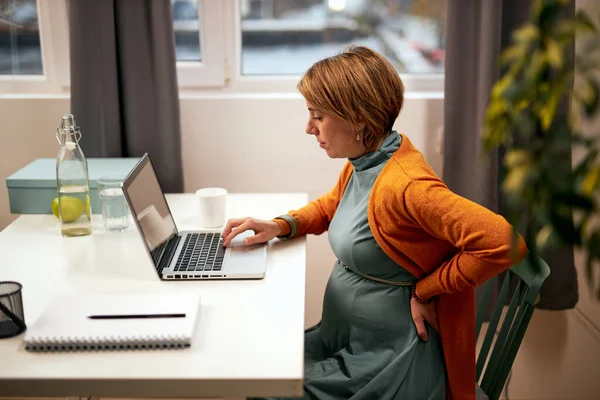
496 357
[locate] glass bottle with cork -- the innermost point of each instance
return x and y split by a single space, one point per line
72 181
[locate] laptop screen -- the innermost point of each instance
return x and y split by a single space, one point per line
148 205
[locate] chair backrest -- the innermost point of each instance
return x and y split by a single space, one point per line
495 359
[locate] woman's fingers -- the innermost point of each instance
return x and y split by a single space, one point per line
264 230
237 228
260 237
232 223
421 314
419 322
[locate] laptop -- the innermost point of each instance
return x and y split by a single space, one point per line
185 255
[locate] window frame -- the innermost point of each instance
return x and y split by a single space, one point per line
417 84
53 26
210 72
54 42
218 72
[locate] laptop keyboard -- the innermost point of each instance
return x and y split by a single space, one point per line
201 252
158 252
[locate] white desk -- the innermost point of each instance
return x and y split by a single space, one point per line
249 339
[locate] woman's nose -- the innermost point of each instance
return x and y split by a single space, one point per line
310 130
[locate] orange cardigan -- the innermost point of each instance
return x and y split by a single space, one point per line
449 243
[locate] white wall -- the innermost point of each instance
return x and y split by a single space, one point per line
27 131
257 144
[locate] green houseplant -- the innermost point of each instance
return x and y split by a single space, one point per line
550 200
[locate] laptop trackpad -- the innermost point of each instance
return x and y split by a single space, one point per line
246 258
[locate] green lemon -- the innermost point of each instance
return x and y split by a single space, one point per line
55 208
72 208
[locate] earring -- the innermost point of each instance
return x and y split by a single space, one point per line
357 137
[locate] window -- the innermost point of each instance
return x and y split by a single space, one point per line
20 49
34 46
186 24
239 45
200 61
285 37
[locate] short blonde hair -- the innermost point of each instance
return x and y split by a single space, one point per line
359 86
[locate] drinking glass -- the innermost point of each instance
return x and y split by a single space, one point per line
115 212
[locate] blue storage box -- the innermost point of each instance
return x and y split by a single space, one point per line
32 188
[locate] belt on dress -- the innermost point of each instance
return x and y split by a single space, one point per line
380 280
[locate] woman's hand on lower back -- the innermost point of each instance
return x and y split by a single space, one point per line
422 313
263 230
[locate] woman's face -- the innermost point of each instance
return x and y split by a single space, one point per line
334 135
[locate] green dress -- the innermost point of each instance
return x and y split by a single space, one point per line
366 346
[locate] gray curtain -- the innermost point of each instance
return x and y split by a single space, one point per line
124 92
477 31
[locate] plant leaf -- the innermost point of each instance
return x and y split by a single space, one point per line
497 108
554 53
515 179
535 66
584 168
543 236
525 123
584 22
516 157
583 226
513 92
591 181
501 86
575 201
513 53
526 33
548 110
589 94
495 132
592 105
565 30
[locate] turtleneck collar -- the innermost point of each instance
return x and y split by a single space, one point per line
389 145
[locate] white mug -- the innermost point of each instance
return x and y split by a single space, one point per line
212 203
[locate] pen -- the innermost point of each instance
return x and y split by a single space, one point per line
136 316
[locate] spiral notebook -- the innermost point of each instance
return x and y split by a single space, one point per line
115 322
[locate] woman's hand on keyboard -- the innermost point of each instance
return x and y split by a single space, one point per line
263 230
